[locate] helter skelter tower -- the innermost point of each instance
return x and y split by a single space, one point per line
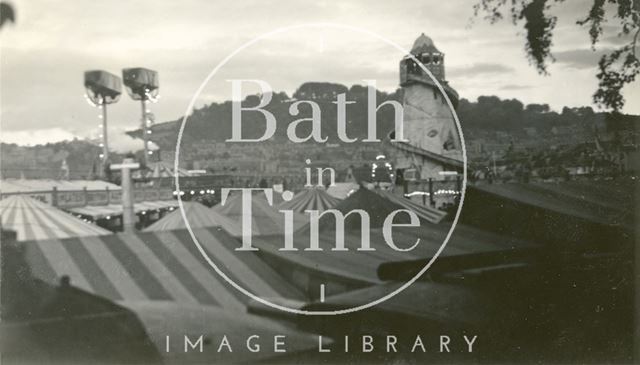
102 88
434 146
142 84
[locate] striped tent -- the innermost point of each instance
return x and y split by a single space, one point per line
379 204
164 280
199 216
341 271
158 266
266 219
345 270
603 202
425 212
342 190
585 215
310 199
34 220
162 320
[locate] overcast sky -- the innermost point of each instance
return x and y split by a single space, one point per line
43 56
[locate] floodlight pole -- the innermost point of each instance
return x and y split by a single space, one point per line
142 84
105 138
103 89
145 139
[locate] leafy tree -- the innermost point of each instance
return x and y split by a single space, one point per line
615 69
7 14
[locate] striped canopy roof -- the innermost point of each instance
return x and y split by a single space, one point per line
266 219
34 220
199 216
311 199
159 266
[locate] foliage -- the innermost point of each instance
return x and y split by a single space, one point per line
7 14
493 114
615 69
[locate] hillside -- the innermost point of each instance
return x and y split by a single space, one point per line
490 124
213 122
489 114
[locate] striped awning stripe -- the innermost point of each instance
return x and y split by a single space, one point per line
35 220
311 199
162 266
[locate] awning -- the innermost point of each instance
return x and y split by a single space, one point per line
155 205
98 211
104 211
42 185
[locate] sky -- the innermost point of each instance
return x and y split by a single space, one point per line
44 54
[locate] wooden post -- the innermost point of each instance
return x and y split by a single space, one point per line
431 201
85 195
54 196
128 214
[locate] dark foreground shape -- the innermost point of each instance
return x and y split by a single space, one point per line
42 323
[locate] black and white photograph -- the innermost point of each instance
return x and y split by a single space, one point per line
319 182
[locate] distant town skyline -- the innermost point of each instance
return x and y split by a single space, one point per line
44 55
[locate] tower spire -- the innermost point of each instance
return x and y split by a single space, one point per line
425 51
